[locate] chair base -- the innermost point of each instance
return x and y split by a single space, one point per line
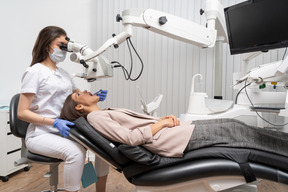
53 190
208 184
53 178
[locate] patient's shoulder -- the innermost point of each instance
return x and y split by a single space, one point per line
96 115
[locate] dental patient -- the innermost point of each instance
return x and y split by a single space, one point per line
167 136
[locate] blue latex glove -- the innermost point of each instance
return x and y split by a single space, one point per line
102 94
62 126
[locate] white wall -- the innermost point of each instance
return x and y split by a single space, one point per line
21 21
169 64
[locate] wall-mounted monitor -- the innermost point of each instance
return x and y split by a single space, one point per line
257 25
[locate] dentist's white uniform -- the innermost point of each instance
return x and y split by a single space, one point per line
51 89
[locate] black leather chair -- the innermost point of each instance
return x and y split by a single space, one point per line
18 128
206 169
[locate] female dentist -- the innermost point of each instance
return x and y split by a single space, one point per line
45 87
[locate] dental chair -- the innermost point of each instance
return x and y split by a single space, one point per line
203 170
18 128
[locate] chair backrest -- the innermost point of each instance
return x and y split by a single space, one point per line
110 148
17 126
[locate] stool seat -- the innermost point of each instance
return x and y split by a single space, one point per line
40 158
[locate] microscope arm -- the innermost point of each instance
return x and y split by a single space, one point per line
98 67
116 40
170 26
156 21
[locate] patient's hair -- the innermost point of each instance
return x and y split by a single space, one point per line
69 112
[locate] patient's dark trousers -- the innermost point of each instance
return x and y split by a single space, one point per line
234 133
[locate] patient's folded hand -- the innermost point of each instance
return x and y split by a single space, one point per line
170 122
176 121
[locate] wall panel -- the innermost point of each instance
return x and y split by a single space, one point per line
168 64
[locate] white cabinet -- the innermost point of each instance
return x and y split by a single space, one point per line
10 147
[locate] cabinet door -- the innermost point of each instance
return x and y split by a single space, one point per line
10 146
11 158
6 122
13 143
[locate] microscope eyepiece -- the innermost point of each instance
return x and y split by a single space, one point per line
63 47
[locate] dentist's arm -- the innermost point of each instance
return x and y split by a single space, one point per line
25 114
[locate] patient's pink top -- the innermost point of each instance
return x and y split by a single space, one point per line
131 128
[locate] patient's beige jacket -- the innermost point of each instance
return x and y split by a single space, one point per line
131 128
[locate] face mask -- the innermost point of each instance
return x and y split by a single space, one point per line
57 55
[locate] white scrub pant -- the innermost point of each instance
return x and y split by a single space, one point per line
72 153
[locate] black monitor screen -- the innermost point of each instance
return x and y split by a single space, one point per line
257 25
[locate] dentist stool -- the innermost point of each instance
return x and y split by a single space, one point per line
18 128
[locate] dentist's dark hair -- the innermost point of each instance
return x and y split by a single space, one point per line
44 39
69 112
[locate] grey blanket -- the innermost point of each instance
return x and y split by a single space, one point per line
234 133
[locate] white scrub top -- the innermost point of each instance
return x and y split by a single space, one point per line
51 89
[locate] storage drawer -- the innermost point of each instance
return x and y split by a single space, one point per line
13 143
11 158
